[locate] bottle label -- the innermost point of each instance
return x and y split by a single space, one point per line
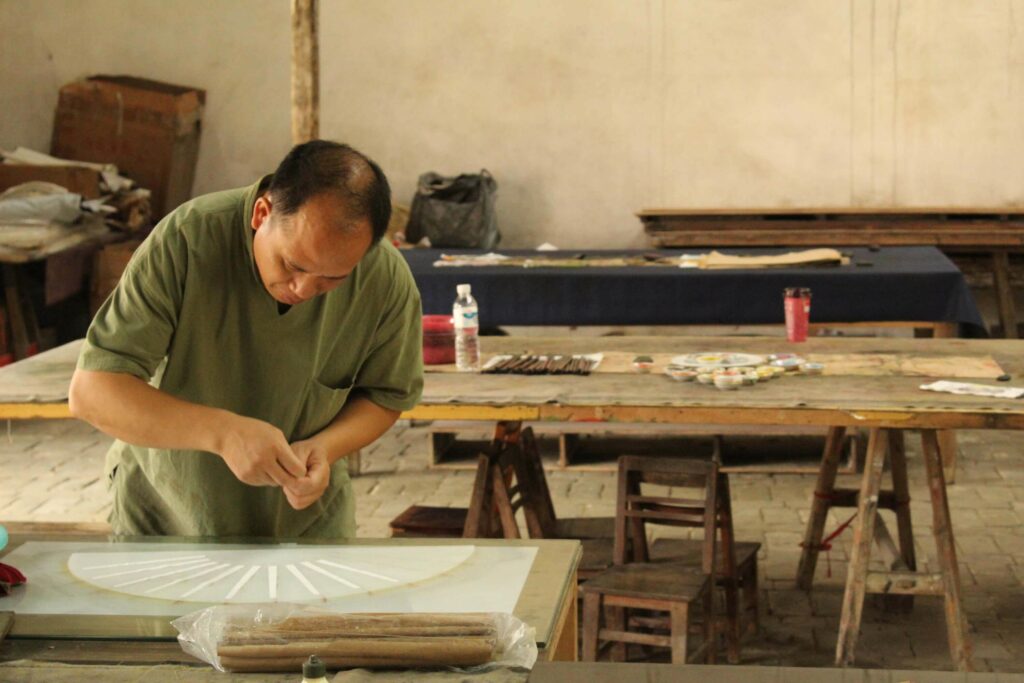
466 318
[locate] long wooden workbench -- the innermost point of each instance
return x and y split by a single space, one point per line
888 403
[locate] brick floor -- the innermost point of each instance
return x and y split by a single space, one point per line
52 471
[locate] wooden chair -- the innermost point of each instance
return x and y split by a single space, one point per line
523 485
637 584
745 553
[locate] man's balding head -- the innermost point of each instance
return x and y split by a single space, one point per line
323 167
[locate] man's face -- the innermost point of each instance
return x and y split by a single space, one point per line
309 252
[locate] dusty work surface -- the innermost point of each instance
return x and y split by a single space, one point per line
835 364
882 389
57 470
894 400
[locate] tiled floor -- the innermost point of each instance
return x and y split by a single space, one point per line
53 471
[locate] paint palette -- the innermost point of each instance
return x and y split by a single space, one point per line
292 574
709 360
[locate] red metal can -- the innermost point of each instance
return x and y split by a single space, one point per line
438 340
797 302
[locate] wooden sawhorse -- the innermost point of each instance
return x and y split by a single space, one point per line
901 579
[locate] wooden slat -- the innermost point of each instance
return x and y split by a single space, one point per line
637 638
823 491
305 72
863 532
904 583
847 498
960 645
1004 293
35 411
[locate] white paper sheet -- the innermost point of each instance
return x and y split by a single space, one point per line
458 578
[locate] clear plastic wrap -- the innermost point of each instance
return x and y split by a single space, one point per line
278 637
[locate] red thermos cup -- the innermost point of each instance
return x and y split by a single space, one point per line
438 340
798 312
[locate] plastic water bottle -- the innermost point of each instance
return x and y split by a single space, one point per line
466 316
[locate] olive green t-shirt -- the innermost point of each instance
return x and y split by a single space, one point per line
192 295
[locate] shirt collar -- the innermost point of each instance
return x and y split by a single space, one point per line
248 200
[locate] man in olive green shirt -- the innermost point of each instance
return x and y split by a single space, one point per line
257 337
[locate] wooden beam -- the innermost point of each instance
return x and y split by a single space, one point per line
960 645
904 583
34 411
863 534
823 500
305 72
1004 293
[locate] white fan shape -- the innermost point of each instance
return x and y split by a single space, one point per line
290 574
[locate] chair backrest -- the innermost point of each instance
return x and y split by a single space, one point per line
702 503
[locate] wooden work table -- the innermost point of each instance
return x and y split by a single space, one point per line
547 602
38 387
887 403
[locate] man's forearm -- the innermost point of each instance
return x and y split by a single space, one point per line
360 423
129 409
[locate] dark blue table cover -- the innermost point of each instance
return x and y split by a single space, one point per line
888 284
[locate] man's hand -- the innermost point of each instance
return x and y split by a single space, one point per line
307 489
259 455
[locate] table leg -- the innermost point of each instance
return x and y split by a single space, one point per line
901 491
1004 293
20 339
949 450
819 507
901 494
565 637
960 646
863 533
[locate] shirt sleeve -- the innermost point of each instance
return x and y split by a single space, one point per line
392 375
133 328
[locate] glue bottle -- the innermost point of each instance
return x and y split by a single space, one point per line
466 317
314 670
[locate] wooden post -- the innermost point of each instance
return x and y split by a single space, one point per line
305 72
15 313
819 507
904 525
863 533
960 646
1004 293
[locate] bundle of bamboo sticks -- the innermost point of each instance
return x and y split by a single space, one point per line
522 364
359 640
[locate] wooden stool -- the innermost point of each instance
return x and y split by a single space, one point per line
637 583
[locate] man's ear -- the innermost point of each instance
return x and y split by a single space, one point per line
261 211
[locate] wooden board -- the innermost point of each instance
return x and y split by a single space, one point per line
836 364
831 226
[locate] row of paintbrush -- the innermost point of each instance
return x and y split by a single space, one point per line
541 365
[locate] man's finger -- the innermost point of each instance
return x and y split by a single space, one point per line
280 476
299 502
291 462
301 486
